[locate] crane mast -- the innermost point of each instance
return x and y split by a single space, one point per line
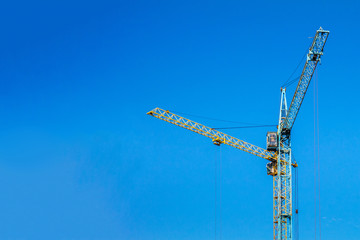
278 150
282 184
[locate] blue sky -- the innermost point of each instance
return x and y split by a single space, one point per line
80 159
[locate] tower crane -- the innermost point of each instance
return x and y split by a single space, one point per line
278 144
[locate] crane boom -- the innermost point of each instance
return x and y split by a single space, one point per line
217 136
313 57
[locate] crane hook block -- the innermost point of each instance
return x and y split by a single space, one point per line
217 141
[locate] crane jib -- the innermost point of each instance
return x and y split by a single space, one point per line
313 57
217 136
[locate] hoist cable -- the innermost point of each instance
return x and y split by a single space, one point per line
287 81
215 175
302 59
291 82
218 184
317 199
246 127
296 202
315 184
318 146
220 192
214 119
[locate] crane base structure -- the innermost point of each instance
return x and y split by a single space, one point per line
278 149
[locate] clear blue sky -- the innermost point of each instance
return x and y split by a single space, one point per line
80 159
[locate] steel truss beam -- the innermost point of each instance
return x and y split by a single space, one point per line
313 57
217 136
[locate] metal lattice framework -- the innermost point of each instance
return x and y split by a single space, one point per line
282 182
313 57
280 159
283 219
217 136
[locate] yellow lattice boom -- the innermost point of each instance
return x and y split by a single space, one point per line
217 136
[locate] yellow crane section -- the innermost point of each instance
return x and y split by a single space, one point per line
217 136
